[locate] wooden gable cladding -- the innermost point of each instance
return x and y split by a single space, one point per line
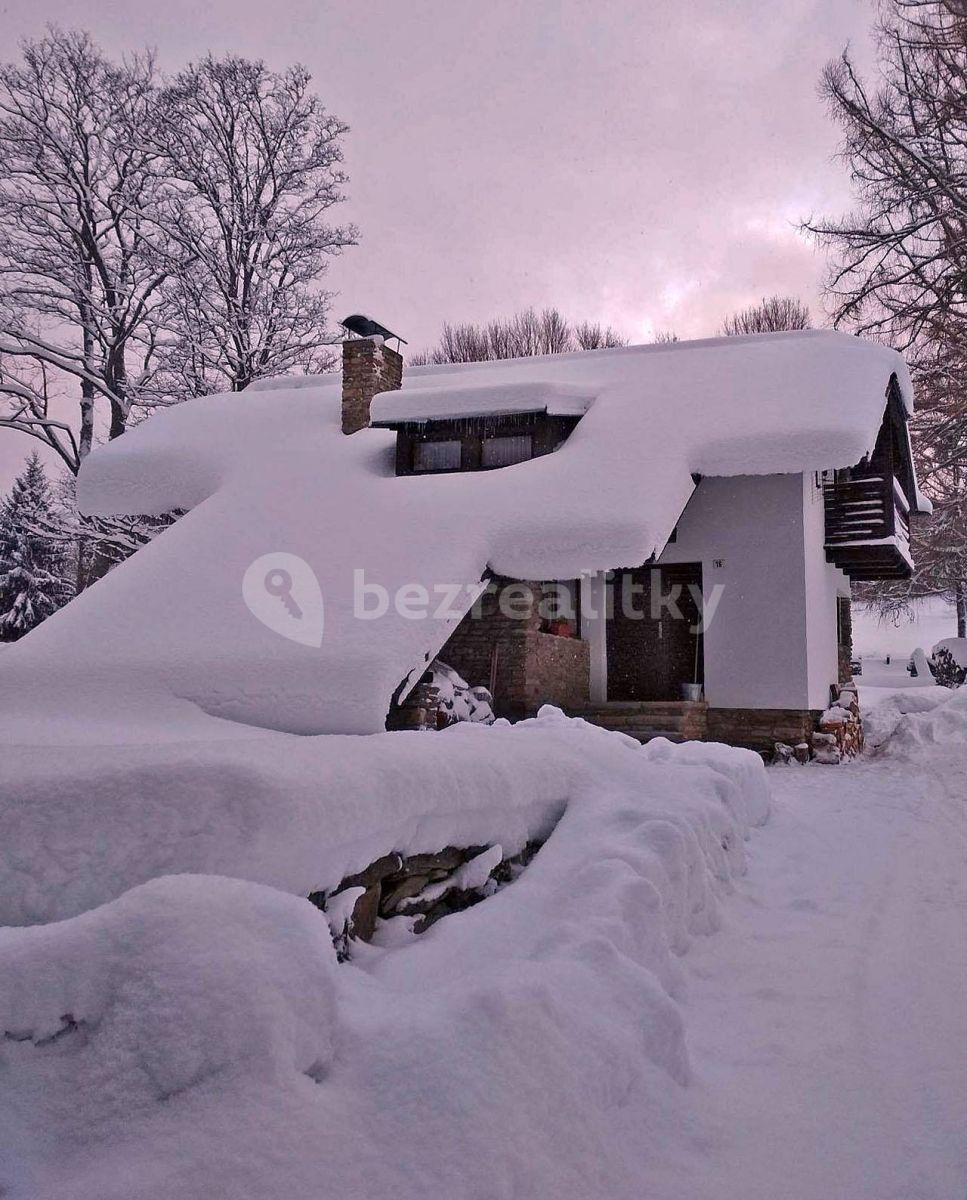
868 506
545 430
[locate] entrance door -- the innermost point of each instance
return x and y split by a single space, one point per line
652 646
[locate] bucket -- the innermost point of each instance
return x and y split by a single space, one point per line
691 691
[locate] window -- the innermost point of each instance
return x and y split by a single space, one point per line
504 451
437 456
560 607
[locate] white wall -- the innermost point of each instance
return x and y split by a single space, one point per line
824 583
772 640
594 630
772 601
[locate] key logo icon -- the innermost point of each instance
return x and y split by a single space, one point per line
279 583
282 591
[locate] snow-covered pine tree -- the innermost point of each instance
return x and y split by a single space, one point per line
33 566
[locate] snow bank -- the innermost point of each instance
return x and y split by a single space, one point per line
180 985
81 825
269 471
530 1046
932 729
884 710
743 767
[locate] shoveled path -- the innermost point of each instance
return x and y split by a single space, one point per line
828 1020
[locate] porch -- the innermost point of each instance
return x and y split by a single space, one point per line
677 720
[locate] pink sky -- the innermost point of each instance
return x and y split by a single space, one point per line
639 163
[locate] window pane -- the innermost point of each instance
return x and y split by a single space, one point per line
437 456
503 451
560 610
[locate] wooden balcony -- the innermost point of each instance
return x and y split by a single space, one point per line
867 527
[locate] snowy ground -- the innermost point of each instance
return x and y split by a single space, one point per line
874 639
668 1004
827 1024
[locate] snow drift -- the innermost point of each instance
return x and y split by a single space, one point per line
195 1037
935 729
80 827
882 719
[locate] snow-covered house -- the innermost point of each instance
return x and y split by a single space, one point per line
742 481
737 626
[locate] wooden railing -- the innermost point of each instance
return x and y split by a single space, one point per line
860 510
867 527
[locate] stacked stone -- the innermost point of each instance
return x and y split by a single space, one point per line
837 738
368 367
420 710
787 755
424 886
840 734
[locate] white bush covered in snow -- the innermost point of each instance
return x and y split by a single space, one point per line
956 647
949 662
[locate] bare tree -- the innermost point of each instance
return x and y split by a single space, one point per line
591 335
939 543
466 343
940 557
79 283
29 408
156 241
899 261
524 335
773 314
252 161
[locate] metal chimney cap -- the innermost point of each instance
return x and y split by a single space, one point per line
363 326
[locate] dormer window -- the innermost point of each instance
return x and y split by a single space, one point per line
478 442
505 451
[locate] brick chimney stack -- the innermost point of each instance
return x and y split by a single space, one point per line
368 366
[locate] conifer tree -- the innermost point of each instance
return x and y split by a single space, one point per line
33 566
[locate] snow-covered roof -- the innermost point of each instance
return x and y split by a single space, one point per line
269 472
478 400
789 380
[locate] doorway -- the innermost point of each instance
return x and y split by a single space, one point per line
653 640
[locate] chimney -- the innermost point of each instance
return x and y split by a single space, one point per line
369 366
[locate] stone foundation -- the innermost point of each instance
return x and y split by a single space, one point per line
761 728
844 639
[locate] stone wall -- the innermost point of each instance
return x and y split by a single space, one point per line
844 638
760 728
424 887
420 710
509 654
368 367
